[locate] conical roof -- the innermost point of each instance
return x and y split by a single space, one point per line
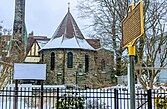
68 36
68 27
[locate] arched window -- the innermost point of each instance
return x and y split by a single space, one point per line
86 63
103 64
52 61
70 60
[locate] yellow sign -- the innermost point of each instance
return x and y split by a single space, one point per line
133 25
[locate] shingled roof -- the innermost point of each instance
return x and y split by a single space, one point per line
68 36
68 27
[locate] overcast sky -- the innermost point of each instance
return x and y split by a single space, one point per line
42 16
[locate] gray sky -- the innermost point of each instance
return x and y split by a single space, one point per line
42 16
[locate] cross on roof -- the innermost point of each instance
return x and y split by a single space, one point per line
68 6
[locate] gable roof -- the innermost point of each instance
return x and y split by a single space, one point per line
41 40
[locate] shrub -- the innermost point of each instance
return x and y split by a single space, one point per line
95 104
162 102
71 101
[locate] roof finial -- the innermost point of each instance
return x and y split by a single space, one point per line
68 6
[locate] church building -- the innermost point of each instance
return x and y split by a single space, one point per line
72 59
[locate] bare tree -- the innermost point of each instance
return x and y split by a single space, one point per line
3 42
154 43
0 41
7 60
107 15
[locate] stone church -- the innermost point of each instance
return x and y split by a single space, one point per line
72 59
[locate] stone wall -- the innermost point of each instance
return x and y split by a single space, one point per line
106 75
61 71
77 75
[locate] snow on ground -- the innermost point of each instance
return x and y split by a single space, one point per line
103 97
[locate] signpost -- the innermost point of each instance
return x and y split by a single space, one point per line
132 29
29 72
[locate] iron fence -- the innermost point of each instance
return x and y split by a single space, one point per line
55 98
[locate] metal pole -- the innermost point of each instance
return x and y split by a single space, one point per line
132 83
116 99
128 77
149 93
16 95
42 94
57 98
131 50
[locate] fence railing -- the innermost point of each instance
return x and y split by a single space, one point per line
55 98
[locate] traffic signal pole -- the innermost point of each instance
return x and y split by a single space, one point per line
131 53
